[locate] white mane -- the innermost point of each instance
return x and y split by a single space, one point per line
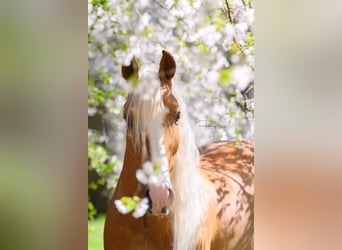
192 192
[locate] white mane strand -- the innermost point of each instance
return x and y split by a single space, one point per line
192 193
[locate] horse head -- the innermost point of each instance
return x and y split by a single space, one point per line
152 127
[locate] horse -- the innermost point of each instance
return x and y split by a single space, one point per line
207 198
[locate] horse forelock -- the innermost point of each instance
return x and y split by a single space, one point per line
144 111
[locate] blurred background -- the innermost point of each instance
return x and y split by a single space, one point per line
46 63
213 45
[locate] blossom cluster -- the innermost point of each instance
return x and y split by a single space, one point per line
127 204
212 43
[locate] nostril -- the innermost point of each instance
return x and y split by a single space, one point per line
165 210
171 194
147 195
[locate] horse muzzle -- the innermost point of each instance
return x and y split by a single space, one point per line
161 198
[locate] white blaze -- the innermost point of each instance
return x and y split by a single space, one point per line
158 154
161 193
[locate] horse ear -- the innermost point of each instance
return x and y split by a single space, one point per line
167 67
130 70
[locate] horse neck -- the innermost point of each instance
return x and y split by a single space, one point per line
159 228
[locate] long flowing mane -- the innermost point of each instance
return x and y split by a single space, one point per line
193 194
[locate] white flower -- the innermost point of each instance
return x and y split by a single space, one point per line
241 32
111 183
220 62
235 59
169 3
142 3
149 174
209 35
153 179
92 111
148 168
235 3
126 58
248 17
228 33
242 76
122 208
141 208
196 4
145 19
211 79
141 177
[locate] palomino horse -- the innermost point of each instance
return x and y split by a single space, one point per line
209 196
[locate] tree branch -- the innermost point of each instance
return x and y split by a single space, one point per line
228 11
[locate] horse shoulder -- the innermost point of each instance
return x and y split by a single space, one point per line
146 233
230 169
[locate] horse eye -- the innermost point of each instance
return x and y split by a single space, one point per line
128 120
176 118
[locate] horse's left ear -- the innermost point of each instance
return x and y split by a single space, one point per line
167 68
131 70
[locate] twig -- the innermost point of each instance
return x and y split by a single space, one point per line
243 2
168 9
228 11
161 5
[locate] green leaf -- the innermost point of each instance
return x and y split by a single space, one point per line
107 79
92 186
128 202
238 132
156 167
91 210
225 75
101 181
133 80
219 21
230 113
250 39
207 19
202 47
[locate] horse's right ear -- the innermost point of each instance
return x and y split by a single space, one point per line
167 66
130 70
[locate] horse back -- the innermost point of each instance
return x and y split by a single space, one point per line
229 166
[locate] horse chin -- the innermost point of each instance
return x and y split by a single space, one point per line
163 213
